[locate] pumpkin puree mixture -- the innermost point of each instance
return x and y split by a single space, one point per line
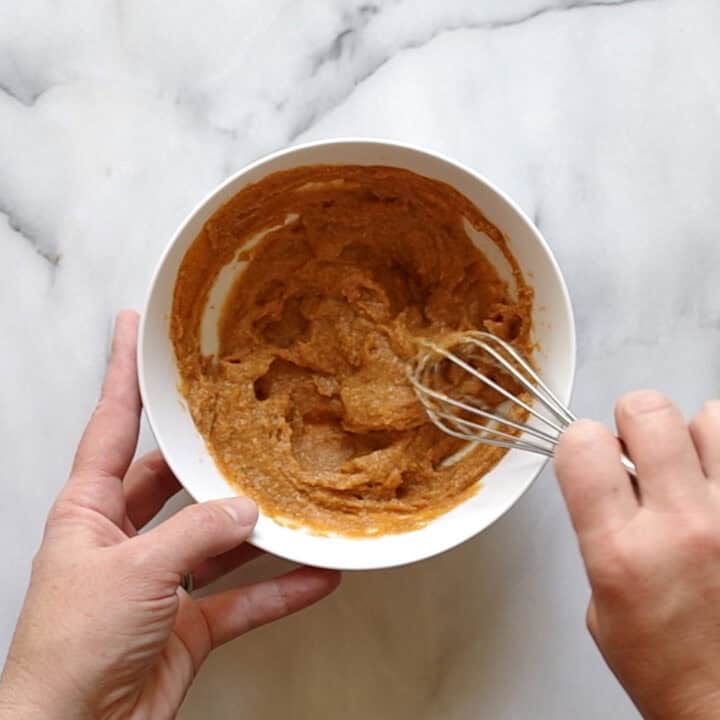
306 406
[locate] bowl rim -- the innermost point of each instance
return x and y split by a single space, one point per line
289 553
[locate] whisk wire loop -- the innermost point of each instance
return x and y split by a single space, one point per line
541 420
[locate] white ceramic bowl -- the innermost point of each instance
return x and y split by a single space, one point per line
185 449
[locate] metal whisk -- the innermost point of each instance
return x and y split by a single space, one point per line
531 420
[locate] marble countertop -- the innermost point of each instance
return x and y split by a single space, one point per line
600 118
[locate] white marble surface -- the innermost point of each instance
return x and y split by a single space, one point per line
601 118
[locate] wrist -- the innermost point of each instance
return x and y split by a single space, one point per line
24 698
684 705
704 707
15 707
10 709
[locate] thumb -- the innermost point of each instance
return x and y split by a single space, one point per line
196 533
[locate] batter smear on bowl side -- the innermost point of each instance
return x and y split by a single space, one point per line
306 406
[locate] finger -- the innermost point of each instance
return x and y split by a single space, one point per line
196 533
148 485
234 612
705 433
659 443
109 440
213 568
597 490
108 443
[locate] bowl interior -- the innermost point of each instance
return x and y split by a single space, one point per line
185 449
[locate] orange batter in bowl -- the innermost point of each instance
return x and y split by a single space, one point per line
306 406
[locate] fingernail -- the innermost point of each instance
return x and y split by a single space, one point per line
641 402
242 510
